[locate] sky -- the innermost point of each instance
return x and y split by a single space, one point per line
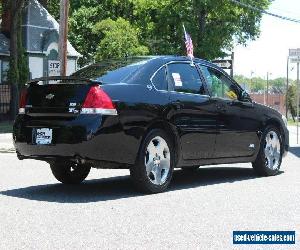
269 52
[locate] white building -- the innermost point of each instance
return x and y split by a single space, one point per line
40 39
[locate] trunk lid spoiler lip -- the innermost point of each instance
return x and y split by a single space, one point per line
63 78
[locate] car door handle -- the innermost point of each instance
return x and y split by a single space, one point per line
248 104
234 103
177 105
221 108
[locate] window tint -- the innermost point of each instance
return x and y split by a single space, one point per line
159 80
185 78
112 71
218 84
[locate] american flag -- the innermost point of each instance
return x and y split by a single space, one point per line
189 44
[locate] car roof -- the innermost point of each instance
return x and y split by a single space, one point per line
149 65
153 63
160 60
164 59
168 58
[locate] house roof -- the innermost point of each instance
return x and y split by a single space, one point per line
4 44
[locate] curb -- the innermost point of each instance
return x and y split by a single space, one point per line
7 150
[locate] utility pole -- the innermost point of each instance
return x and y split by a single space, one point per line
298 101
287 87
63 35
232 59
267 88
264 92
251 76
268 74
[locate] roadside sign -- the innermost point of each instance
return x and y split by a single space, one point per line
295 59
294 52
53 68
224 64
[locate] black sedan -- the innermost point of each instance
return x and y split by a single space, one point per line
149 115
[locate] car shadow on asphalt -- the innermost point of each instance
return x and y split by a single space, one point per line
121 187
295 151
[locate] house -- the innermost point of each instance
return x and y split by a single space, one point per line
40 39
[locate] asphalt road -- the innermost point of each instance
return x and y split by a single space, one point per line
200 210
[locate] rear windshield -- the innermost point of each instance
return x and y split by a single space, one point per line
112 71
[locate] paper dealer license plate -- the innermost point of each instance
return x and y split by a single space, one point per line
43 136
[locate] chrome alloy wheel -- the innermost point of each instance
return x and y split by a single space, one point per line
272 150
157 160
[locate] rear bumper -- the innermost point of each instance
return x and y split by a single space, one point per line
88 137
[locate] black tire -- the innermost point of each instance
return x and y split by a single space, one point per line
260 165
190 169
69 172
138 172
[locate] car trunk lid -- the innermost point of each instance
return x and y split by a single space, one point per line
59 96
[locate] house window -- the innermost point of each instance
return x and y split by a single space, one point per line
4 71
36 67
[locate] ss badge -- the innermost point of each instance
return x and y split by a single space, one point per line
50 96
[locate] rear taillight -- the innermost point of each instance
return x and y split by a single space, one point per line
98 102
22 101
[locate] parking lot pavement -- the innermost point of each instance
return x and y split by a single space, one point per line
200 210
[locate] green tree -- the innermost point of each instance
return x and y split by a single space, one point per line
292 100
81 35
258 84
85 14
53 7
18 72
279 84
242 80
120 39
215 25
255 84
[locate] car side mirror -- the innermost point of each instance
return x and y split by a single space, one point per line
245 97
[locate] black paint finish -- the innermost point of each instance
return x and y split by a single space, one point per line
204 129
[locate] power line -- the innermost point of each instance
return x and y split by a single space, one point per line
286 12
265 12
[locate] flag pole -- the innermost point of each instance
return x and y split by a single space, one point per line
185 37
184 29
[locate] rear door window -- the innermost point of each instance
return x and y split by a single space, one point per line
185 78
160 79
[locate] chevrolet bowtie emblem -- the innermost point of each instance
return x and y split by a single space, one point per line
50 96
